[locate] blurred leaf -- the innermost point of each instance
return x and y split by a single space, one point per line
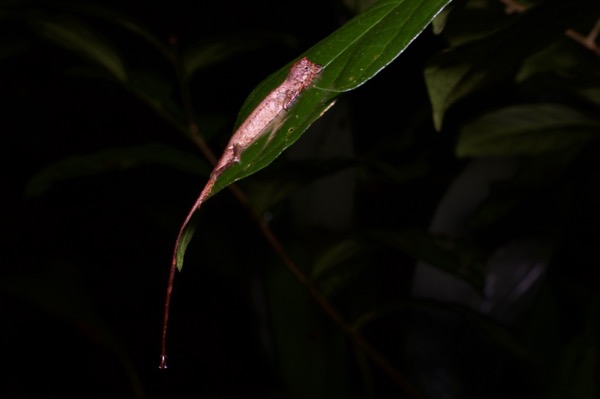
266 190
60 290
578 370
451 256
153 85
562 71
13 47
402 173
535 177
73 34
527 130
214 51
439 22
312 357
489 61
115 17
498 334
350 56
115 159
158 93
591 94
339 253
559 58
342 263
468 20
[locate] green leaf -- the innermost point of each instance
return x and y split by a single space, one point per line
369 42
313 358
490 61
536 177
591 94
75 35
158 93
60 289
531 129
560 69
266 190
450 255
342 263
350 56
401 173
114 159
578 370
339 253
357 6
560 58
126 22
468 20
499 335
14 47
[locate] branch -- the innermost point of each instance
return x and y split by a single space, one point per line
588 41
513 7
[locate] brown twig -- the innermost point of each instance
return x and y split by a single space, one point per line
588 41
513 7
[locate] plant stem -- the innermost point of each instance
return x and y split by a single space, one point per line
588 41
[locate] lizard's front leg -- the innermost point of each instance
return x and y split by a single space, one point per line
289 99
230 157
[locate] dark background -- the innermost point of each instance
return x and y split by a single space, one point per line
86 257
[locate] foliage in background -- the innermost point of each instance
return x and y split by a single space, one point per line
512 87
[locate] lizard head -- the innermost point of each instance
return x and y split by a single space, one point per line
303 72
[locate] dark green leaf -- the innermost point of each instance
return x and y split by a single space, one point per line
527 130
60 290
490 61
557 58
451 256
535 176
75 35
469 20
591 94
313 359
266 190
341 265
158 93
337 254
498 334
115 159
120 19
578 370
